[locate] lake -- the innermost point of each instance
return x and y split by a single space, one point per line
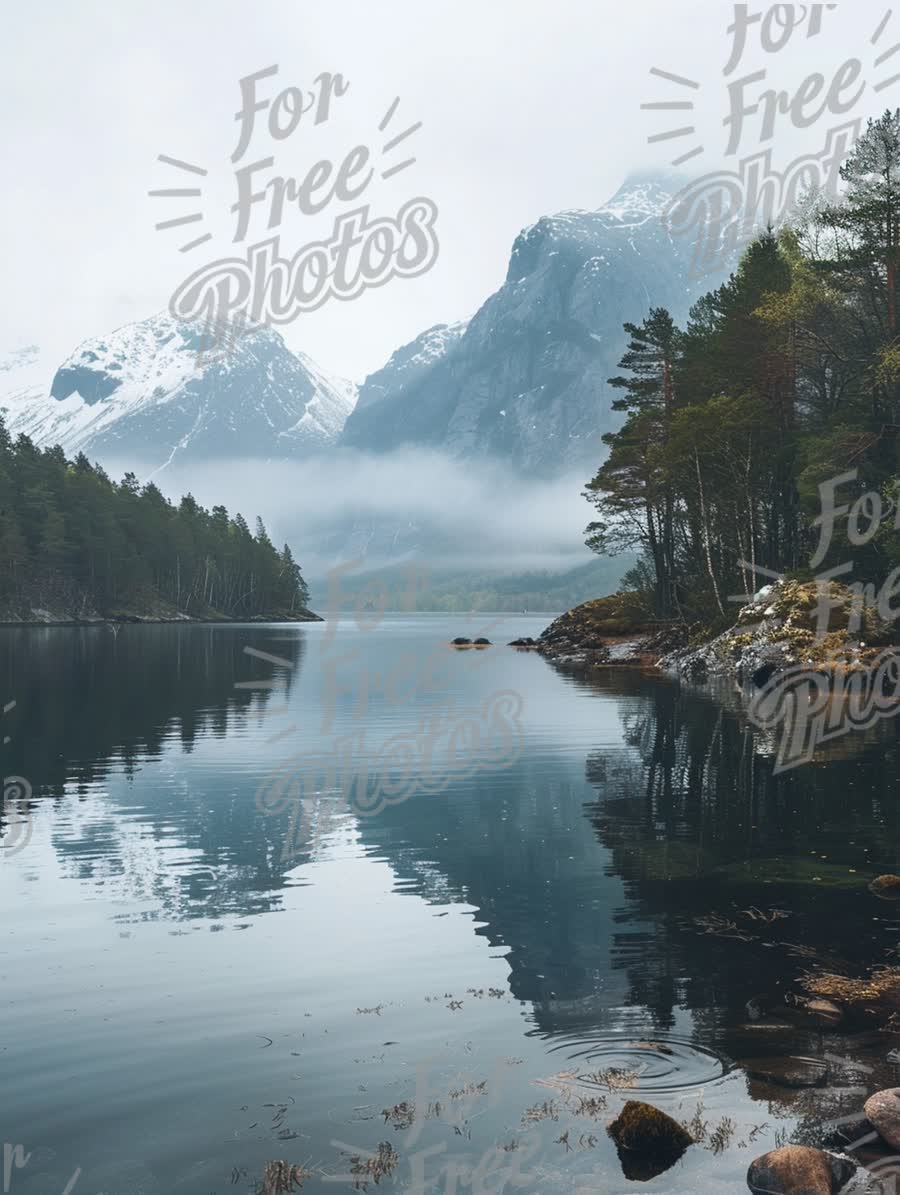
301 892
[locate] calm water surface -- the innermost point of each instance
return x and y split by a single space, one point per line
210 958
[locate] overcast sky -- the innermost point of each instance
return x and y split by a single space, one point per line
526 107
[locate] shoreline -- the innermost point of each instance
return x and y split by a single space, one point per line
118 620
779 633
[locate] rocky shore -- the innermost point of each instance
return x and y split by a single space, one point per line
38 616
791 626
614 630
822 627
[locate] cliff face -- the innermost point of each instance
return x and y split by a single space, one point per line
526 379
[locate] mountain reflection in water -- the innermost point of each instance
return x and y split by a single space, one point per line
625 905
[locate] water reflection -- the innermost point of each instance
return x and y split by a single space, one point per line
97 706
631 897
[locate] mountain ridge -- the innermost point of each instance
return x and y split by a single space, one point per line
526 378
153 391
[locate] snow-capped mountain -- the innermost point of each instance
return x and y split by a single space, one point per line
410 363
23 374
526 380
154 393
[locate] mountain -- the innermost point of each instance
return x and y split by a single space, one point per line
526 379
154 392
410 363
23 375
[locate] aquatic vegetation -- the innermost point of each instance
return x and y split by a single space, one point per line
722 927
401 1115
548 1110
561 1081
615 1078
769 917
376 1166
280 1177
717 1139
470 1089
590 1105
878 994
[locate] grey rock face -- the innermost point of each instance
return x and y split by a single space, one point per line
527 379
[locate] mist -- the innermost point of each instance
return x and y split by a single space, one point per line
381 510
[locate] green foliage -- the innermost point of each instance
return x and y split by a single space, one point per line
785 376
75 542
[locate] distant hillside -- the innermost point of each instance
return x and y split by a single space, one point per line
463 591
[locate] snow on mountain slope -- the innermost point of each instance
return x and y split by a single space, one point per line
526 380
23 374
149 393
410 362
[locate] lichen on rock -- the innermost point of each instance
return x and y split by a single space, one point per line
823 625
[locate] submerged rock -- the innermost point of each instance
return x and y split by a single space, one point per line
849 1133
648 1141
883 1112
823 1012
460 642
886 886
788 1072
799 1170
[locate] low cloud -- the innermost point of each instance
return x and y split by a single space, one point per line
342 505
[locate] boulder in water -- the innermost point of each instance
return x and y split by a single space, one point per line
648 1141
799 1170
883 1112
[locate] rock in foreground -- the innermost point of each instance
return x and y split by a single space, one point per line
798 1170
883 1112
648 1141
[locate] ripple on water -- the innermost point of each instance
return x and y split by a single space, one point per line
636 1065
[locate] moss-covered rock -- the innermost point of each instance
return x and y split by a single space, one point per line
616 614
648 1140
820 625
799 1170
617 629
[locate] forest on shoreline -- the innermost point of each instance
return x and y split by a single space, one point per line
781 395
76 545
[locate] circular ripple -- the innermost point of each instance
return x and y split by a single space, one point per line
630 1064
